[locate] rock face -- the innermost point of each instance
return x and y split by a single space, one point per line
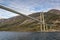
21 23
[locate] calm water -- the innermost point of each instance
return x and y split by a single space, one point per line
29 36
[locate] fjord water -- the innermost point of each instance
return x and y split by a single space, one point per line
29 35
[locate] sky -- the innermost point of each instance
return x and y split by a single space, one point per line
28 6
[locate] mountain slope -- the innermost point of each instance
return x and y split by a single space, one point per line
21 23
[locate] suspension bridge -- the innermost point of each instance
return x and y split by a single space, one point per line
43 25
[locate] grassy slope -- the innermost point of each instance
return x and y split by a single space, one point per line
29 24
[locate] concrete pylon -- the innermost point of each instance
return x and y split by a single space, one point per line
42 25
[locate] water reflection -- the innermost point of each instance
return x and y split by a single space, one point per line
29 36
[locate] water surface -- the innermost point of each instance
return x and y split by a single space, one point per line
29 35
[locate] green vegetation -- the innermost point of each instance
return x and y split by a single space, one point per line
24 24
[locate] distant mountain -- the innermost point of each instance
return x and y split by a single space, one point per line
2 20
21 23
55 11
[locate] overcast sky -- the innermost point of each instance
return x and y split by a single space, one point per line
28 6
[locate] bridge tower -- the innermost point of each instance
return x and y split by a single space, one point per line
43 25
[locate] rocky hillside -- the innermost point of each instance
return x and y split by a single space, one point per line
21 23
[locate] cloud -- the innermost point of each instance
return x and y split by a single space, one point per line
20 8
1 0
29 6
6 14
